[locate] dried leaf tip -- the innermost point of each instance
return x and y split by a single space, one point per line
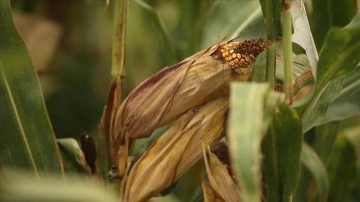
241 54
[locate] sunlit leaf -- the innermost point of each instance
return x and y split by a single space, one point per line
302 33
251 108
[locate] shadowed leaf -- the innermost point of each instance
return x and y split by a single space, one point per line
281 151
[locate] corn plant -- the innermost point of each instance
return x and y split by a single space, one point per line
245 109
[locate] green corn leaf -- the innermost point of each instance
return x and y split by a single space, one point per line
314 164
273 10
251 108
245 24
339 58
170 56
340 152
27 140
24 186
335 13
346 103
281 153
352 135
325 139
73 156
342 170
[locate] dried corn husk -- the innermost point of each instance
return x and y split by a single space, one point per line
210 195
175 151
219 178
173 91
176 89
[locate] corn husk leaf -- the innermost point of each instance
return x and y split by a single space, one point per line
151 100
175 151
210 194
220 179
187 84
171 92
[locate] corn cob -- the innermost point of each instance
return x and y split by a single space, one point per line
177 150
189 83
173 91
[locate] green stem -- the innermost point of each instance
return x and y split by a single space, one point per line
270 35
287 28
270 65
116 72
119 39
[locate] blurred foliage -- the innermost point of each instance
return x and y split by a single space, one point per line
77 78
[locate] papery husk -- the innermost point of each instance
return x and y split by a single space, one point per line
175 151
219 178
187 84
170 93
174 90
210 195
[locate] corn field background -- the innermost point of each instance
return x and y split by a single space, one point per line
62 62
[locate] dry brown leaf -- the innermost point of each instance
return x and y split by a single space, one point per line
219 178
173 91
176 89
178 149
210 194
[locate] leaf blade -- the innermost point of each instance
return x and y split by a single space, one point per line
338 59
282 149
27 139
251 106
